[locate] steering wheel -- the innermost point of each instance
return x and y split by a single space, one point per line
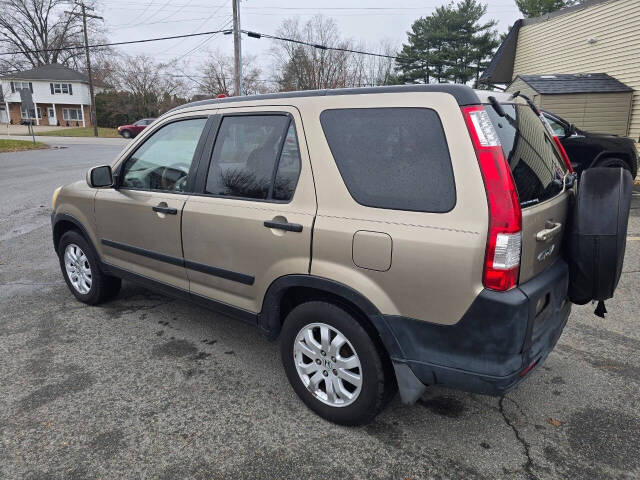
168 180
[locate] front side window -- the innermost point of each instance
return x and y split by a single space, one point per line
163 161
556 126
395 158
255 157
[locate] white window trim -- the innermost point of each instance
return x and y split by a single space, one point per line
67 117
24 116
59 88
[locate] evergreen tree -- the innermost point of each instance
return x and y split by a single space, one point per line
450 45
535 8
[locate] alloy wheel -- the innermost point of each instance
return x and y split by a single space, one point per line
78 269
327 364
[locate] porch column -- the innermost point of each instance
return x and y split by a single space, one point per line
82 110
35 111
55 114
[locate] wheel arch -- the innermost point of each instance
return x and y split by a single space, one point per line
627 157
291 290
64 222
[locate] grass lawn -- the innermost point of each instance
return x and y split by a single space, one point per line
81 132
19 145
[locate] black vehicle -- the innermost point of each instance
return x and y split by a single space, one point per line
588 149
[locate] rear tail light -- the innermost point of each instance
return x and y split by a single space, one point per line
502 257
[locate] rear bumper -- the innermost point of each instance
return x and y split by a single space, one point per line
500 339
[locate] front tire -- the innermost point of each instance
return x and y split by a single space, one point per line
126 134
79 265
333 364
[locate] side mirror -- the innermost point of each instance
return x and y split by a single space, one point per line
570 130
100 177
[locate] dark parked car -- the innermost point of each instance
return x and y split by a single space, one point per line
588 149
130 131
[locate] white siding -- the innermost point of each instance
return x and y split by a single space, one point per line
560 45
42 93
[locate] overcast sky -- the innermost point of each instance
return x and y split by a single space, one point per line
367 21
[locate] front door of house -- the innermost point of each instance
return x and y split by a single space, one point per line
3 115
51 114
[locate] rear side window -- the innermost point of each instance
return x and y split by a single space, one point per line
255 157
394 158
535 164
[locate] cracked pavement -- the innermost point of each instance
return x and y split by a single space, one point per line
148 387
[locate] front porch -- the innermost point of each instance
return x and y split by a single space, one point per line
50 114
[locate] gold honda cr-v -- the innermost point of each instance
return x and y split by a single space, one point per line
391 237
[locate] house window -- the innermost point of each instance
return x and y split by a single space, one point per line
21 85
72 114
51 113
61 88
30 115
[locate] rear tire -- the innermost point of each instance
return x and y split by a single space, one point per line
81 271
357 383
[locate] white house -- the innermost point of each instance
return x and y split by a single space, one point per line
60 95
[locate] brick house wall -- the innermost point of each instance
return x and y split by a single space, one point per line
15 115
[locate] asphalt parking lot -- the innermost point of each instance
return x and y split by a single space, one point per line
150 387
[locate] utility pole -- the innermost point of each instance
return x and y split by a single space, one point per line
92 107
237 48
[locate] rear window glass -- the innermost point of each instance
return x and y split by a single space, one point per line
394 158
535 163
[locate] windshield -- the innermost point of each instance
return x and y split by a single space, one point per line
535 163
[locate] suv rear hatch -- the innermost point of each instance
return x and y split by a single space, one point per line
538 172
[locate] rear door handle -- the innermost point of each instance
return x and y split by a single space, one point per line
551 230
164 209
286 226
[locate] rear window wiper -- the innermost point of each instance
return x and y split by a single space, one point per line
496 106
525 98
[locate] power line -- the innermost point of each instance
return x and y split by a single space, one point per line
205 41
316 45
198 27
113 44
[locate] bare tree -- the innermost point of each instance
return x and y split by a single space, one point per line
153 86
303 67
216 75
369 70
30 25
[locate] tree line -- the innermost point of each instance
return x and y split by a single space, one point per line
453 44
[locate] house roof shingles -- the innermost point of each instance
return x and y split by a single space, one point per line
574 83
54 71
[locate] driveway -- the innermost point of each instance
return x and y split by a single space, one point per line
149 387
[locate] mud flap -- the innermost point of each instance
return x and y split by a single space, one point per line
410 388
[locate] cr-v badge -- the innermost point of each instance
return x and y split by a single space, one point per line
542 256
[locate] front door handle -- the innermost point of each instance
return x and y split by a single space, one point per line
163 208
551 230
286 226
